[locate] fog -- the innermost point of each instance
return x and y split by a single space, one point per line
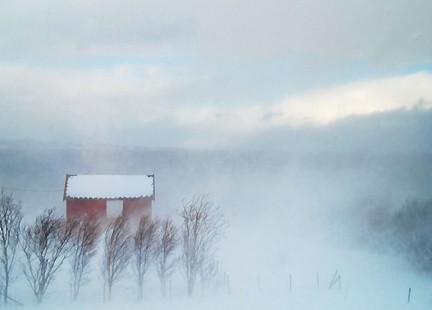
306 122
298 208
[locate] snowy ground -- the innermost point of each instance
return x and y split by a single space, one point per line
377 286
259 257
261 280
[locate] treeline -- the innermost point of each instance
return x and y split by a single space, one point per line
412 227
406 231
50 241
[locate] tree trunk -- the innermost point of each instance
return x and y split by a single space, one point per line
190 287
163 286
140 290
39 298
5 289
109 290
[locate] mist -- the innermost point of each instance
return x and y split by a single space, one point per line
306 122
299 203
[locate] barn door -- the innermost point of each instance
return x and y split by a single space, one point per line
114 208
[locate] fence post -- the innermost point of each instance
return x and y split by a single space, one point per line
317 279
336 278
409 295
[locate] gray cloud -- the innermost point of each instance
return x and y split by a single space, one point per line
51 29
153 102
204 71
388 34
399 132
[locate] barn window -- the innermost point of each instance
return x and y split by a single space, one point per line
114 208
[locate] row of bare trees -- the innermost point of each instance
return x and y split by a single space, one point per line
153 242
50 240
156 241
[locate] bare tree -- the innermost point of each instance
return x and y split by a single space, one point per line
144 249
45 245
201 228
208 272
84 242
117 251
165 247
10 228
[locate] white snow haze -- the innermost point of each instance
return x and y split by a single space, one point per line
307 123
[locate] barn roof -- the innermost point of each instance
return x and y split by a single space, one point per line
109 186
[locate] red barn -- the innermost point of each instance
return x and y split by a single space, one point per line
107 196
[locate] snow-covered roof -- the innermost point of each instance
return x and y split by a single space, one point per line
109 186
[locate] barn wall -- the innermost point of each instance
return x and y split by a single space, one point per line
81 207
136 208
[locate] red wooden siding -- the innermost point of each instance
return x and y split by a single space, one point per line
82 207
136 208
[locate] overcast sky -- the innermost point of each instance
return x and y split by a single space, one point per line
206 73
